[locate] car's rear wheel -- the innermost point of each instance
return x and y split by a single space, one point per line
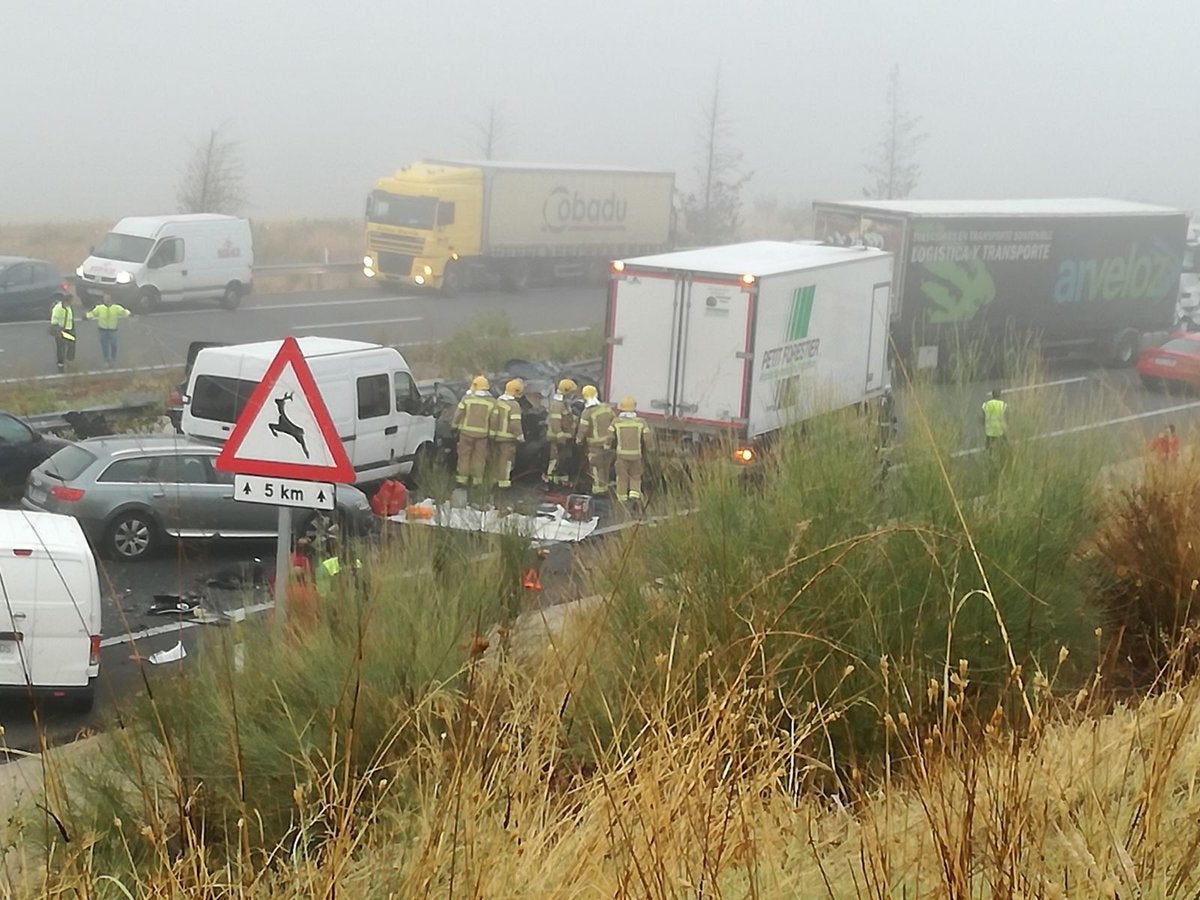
1124 349
321 526
130 536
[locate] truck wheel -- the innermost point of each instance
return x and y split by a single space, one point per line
130 536
148 300
232 297
453 279
1124 349
516 275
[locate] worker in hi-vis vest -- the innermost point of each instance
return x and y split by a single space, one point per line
507 431
995 420
472 421
631 437
593 431
560 430
62 326
108 316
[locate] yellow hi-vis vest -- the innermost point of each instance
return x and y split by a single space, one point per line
993 418
107 315
629 432
64 317
474 414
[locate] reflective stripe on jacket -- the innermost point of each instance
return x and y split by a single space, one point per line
107 314
560 424
993 418
629 431
474 414
506 424
594 424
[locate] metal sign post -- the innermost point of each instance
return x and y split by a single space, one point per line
283 559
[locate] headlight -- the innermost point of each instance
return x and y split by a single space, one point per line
79 271
420 279
370 273
123 278
368 262
427 269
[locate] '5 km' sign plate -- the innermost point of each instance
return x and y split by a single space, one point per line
283 491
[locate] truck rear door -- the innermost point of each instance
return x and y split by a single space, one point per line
642 329
680 346
712 367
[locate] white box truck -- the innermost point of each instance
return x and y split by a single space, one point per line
453 224
748 338
384 422
148 260
49 608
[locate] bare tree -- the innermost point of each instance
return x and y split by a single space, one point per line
491 133
212 181
713 213
895 172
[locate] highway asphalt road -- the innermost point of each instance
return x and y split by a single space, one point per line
368 313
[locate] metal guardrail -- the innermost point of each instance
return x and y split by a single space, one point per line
306 268
92 418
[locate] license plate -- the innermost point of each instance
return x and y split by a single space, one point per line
1163 361
8 649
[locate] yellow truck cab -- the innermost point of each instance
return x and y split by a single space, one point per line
453 225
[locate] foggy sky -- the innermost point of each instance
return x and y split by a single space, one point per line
102 101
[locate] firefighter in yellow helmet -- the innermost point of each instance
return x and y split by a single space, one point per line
593 432
507 431
560 430
631 437
472 421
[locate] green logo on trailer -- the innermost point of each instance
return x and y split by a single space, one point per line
802 305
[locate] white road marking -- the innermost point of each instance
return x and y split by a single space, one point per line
268 307
352 324
59 375
182 623
1030 387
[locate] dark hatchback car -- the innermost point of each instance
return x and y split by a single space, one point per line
21 451
29 287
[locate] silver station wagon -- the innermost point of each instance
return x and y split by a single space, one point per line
131 493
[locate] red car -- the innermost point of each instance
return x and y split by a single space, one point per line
1177 362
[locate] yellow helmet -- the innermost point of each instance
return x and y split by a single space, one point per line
515 387
627 404
567 386
479 383
589 392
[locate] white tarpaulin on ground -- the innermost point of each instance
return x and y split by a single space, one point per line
553 526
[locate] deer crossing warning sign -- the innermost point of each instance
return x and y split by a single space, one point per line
285 431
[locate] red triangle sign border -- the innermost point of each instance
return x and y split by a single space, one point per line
341 471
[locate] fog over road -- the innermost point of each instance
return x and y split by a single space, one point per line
368 313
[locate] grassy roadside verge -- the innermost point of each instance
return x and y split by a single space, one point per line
821 684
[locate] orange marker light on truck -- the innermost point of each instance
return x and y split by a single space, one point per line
748 279
744 455
618 265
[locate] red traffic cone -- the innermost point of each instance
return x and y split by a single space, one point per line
532 580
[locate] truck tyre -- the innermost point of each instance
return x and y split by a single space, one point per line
453 278
1123 351
131 536
516 275
148 300
232 297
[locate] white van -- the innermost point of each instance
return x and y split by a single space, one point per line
49 608
148 260
384 422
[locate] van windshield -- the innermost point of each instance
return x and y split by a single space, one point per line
220 399
123 247
396 209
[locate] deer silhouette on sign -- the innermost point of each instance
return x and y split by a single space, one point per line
286 425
